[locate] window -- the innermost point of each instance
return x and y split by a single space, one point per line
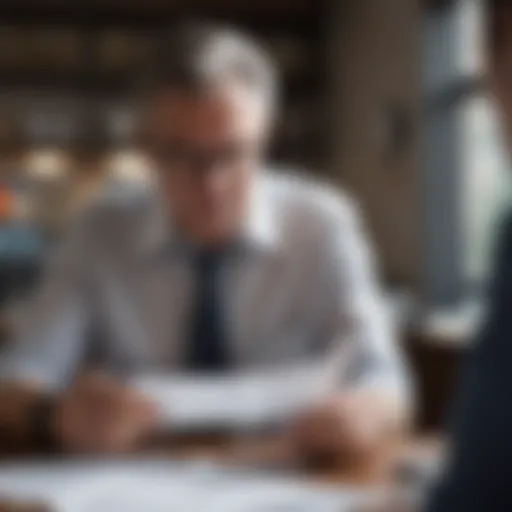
485 189
466 168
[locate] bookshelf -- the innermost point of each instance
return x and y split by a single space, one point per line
91 52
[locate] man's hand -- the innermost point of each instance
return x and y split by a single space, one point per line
98 415
347 427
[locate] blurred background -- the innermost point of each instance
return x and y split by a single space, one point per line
388 99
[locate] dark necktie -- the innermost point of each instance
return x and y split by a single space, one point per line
206 348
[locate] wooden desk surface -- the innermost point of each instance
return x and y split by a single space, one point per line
265 453
273 453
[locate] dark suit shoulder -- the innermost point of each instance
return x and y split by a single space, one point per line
502 251
504 232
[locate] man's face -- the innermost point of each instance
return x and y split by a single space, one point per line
207 148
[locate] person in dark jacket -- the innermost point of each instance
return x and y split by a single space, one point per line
477 472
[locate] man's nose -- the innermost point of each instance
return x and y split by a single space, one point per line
206 163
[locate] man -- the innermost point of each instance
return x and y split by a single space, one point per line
226 266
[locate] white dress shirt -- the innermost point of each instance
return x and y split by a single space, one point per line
120 288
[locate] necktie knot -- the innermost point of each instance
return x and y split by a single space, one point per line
208 261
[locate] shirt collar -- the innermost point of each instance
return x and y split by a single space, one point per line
259 231
260 228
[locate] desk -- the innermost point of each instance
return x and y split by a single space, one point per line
273 453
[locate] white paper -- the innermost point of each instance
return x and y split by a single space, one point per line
236 400
163 487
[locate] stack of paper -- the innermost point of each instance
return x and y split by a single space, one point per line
156 486
239 400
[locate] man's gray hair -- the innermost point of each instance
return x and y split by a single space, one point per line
195 56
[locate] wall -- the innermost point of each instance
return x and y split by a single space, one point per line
375 60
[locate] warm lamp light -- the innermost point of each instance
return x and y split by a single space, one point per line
129 165
47 164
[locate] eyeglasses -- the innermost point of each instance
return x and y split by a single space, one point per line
186 158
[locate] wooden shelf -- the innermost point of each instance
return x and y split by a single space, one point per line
106 55
140 12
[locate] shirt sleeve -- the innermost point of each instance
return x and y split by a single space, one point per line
364 340
48 328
